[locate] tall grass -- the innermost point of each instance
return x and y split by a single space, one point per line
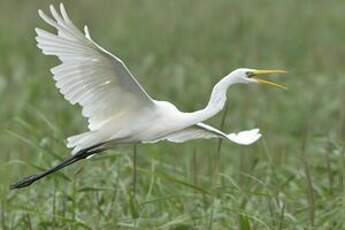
292 179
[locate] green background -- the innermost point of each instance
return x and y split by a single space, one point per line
293 178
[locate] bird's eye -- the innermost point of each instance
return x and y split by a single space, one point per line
249 74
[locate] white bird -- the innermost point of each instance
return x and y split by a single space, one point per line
118 109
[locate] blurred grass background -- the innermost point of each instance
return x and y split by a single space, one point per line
292 179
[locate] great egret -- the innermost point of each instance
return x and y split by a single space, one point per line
117 107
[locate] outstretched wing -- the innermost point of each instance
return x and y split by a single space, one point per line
204 131
89 75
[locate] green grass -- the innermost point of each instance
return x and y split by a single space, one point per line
292 179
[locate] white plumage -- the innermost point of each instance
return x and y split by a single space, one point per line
117 107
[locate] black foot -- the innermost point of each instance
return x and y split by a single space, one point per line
23 183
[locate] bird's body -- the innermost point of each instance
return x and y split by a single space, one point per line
118 109
164 119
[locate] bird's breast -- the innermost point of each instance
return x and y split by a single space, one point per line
160 124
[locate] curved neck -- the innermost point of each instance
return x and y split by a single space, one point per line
216 102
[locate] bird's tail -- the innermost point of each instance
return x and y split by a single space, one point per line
82 154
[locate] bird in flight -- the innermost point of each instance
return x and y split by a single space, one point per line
118 109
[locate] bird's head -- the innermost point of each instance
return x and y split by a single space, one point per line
248 76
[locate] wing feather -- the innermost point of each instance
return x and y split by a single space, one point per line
203 131
89 75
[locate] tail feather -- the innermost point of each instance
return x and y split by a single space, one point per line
74 140
83 154
85 141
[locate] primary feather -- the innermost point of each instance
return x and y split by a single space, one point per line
89 75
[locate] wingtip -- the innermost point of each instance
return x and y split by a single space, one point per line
257 130
37 31
64 12
52 8
245 137
42 14
87 33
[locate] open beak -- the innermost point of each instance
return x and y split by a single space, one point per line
257 74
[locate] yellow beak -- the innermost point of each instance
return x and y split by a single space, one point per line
255 74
